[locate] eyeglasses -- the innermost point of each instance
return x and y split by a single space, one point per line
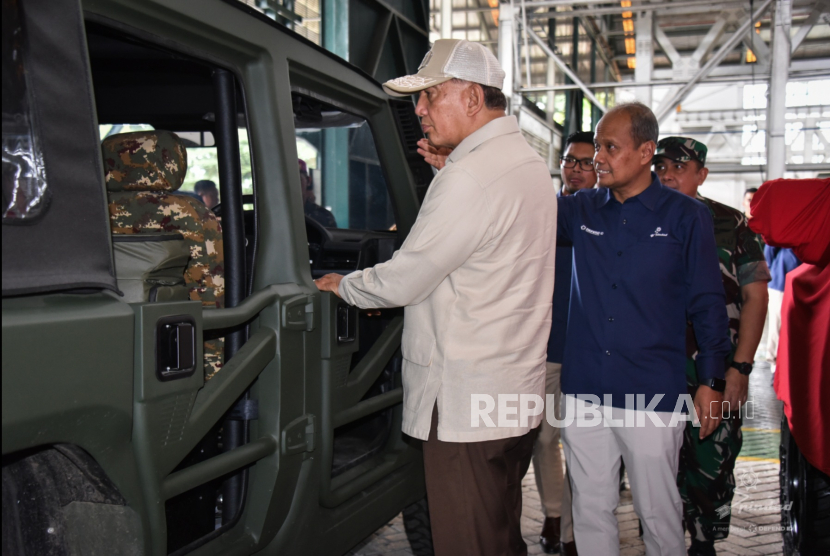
586 164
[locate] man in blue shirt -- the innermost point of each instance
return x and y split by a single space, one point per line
577 164
644 263
781 261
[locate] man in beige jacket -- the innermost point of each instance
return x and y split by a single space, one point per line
475 275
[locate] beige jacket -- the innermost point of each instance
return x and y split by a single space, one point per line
476 277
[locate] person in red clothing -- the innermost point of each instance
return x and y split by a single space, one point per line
796 214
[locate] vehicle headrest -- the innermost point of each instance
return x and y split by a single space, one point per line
144 161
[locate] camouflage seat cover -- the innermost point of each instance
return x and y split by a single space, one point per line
142 171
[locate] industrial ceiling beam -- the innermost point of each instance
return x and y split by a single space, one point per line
759 48
673 8
564 67
821 7
678 97
667 46
817 66
726 168
708 42
668 82
605 51
637 6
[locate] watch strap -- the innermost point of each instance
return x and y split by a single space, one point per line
743 368
716 384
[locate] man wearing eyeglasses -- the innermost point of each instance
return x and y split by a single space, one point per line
577 164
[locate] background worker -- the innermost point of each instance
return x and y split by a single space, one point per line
781 261
705 479
748 195
577 165
207 191
310 207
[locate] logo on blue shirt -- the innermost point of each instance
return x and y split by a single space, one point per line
658 234
585 228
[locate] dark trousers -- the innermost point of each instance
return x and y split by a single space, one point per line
474 490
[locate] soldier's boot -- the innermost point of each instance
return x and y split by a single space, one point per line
550 537
702 548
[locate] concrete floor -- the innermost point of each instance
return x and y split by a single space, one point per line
753 531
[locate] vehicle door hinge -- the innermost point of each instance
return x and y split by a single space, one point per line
298 436
298 313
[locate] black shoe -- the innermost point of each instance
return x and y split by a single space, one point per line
702 548
549 539
622 476
569 549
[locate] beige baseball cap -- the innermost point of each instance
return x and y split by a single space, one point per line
450 59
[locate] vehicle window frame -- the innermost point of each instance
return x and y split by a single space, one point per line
368 118
214 62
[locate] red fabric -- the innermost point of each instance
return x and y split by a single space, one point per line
796 214
802 379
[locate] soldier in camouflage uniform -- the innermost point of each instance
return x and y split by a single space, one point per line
705 478
143 170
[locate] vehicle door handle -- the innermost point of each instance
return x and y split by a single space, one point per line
346 323
175 347
298 313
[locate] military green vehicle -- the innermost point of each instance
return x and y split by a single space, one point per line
173 382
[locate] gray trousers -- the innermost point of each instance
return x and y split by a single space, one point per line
776 299
551 475
651 455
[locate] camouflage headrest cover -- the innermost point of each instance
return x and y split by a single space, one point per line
144 161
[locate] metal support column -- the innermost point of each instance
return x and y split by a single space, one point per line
776 106
573 99
643 28
446 19
336 27
596 114
234 432
336 141
550 80
507 36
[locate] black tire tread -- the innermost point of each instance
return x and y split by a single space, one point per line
417 525
815 526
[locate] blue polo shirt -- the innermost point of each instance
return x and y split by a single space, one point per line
561 299
781 261
641 269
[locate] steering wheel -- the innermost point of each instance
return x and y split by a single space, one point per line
247 199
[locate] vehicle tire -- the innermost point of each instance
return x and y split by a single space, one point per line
58 502
417 525
805 501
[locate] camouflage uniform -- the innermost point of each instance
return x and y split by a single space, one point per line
705 478
143 170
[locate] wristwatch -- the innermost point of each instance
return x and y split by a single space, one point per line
743 368
716 384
